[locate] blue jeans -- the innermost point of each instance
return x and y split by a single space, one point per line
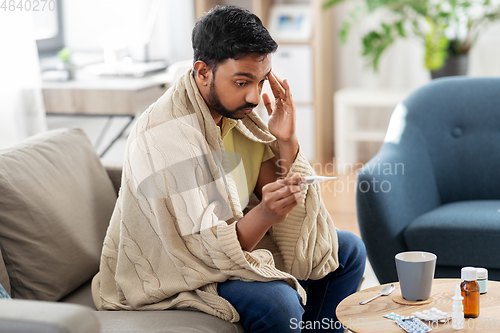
275 306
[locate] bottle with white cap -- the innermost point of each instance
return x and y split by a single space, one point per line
482 280
457 312
470 292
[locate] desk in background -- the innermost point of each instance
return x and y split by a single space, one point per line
108 97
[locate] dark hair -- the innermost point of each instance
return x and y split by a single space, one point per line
229 32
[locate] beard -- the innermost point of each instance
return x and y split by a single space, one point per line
216 104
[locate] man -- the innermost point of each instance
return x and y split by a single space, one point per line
178 237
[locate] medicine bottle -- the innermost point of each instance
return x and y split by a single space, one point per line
470 292
482 280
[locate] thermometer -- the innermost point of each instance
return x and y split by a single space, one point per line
317 179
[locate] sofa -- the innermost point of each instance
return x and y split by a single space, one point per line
435 183
56 200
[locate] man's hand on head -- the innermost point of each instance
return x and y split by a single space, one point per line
282 120
282 117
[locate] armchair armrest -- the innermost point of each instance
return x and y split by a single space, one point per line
46 317
393 189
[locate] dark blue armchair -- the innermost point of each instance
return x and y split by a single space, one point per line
435 183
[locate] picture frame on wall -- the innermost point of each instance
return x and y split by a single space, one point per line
291 22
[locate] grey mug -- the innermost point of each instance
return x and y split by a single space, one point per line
415 273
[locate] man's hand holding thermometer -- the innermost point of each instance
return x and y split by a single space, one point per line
278 199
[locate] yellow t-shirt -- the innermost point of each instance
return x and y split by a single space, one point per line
245 158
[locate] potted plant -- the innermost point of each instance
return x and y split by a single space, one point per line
447 28
66 64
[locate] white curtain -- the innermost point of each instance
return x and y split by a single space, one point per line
22 112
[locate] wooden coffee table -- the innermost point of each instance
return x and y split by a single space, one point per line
369 317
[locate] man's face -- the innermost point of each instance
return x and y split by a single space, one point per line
237 85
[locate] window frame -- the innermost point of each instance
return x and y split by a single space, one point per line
51 46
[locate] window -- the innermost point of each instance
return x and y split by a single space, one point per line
49 30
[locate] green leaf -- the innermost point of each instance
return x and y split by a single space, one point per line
64 55
399 27
344 31
436 47
375 43
386 28
444 15
330 3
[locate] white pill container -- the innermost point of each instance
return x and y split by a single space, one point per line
482 280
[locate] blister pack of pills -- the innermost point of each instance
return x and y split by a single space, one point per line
414 325
433 315
396 317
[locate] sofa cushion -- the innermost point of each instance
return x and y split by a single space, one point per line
81 296
26 316
55 204
168 321
464 233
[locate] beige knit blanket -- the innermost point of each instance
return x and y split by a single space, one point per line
172 234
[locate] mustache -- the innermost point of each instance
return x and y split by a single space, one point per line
246 106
